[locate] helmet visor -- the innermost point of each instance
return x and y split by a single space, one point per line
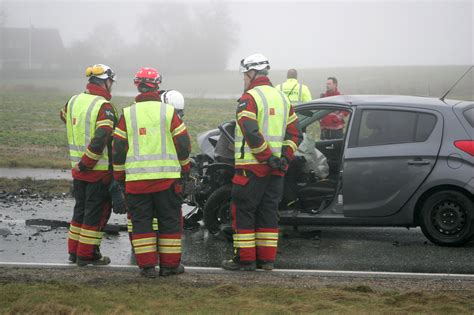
243 67
110 74
253 65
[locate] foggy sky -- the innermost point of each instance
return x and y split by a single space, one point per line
305 34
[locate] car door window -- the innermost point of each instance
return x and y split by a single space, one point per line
380 127
324 124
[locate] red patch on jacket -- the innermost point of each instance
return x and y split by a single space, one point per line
272 111
142 131
74 121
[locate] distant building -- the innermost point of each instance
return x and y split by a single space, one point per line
30 48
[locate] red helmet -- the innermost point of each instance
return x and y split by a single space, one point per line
148 76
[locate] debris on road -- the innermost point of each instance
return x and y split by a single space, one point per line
5 232
112 229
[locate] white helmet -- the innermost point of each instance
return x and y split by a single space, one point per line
100 71
254 62
175 99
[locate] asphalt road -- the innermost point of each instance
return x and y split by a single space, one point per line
328 248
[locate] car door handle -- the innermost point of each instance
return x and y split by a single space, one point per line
329 147
418 162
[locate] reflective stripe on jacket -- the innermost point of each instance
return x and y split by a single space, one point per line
272 116
151 153
81 125
296 92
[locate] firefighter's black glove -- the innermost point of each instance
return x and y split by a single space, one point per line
185 176
284 164
274 162
117 192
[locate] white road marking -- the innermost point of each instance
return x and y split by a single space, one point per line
329 273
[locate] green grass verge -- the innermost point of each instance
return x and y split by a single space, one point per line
32 134
169 298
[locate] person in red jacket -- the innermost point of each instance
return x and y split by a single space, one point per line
332 125
259 167
92 172
156 194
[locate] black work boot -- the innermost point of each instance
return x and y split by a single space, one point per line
148 272
265 265
168 271
102 261
232 264
72 257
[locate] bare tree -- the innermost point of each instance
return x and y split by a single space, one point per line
187 38
103 45
3 17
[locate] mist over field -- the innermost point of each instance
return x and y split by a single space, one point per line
372 47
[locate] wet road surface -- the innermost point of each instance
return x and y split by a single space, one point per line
35 173
329 248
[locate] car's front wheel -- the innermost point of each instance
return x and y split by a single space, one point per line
217 209
446 218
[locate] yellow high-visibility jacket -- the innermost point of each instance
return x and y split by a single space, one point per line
296 92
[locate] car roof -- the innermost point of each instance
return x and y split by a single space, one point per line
399 100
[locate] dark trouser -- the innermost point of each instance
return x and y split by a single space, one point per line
130 226
255 216
91 213
328 134
166 206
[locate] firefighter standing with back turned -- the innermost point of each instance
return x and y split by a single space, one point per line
90 121
297 92
150 153
266 137
176 99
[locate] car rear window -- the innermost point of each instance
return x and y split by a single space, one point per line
379 127
469 115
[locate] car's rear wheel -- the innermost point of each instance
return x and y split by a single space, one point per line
446 218
217 209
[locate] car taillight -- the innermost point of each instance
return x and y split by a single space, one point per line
465 145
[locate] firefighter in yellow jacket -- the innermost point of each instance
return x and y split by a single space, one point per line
90 119
150 152
266 138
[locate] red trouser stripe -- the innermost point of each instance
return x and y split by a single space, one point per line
245 252
233 212
265 253
170 249
74 228
86 251
269 238
149 257
106 207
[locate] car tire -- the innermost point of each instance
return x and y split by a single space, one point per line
217 209
447 218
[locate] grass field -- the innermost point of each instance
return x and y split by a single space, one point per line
32 134
405 80
179 298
